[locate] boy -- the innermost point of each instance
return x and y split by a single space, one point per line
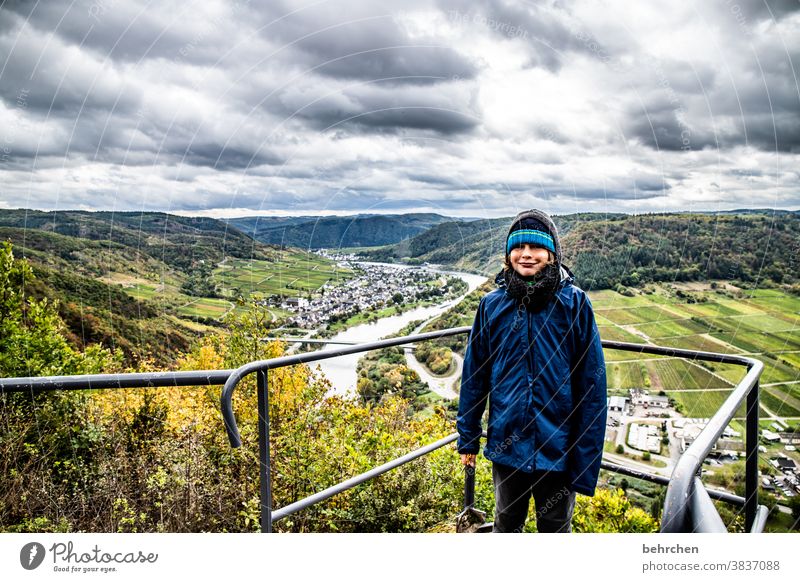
534 352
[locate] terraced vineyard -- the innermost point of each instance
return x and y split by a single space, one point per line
294 273
764 323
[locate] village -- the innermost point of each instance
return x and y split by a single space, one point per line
647 427
375 286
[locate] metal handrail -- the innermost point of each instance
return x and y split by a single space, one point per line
686 508
264 365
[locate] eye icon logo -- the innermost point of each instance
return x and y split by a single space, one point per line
31 555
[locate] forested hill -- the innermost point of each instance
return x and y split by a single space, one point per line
178 241
752 246
90 261
333 232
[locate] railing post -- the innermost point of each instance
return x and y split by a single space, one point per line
469 486
751 461
263 451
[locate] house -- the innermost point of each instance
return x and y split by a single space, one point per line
644 437
617 403
727 444
655 401
784 464
790 438
645 399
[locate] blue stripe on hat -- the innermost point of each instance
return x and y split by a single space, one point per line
533 237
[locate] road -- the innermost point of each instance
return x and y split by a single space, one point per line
444 386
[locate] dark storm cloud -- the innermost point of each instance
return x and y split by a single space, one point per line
59 81
227 158
548 30
750 117
611 193
392 119
342 104
752 100
402 65
764 9
84 78
382 108
660 128
355 40
435 180
125 31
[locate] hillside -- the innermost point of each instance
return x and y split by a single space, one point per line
178 241
141 282
334 232
630 250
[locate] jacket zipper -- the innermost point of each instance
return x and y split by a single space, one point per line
529 413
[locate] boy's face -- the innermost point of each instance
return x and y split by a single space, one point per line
528 260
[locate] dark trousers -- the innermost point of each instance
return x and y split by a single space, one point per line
512 493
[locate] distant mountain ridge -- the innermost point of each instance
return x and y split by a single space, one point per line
179 241
332 232
606 250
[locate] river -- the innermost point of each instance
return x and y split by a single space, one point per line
341 371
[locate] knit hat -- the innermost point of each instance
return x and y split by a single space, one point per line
536 228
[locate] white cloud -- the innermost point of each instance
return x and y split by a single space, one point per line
223 107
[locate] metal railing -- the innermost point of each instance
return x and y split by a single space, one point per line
687 507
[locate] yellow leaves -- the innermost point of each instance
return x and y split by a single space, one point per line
610 511
207 356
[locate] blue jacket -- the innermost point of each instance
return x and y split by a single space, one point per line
544 376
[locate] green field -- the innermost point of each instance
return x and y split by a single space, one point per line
206 307
296 273
779 402
700 342
764 323
671 328
699 404
625 375
142 291
677 374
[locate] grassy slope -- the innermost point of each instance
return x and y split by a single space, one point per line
125 291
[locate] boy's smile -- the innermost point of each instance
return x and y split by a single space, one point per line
528 260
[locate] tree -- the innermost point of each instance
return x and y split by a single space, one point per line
32 341
794 504
48 440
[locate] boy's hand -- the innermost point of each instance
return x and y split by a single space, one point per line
469 460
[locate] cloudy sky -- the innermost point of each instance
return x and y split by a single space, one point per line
461 107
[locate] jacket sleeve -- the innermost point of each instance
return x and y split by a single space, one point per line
589 403
474 384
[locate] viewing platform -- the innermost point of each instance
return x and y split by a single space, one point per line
688 505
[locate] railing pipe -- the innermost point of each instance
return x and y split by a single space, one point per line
751 460
676 518
265 473
706 517
358 479
469 486
760 522
114 381
236 376
723 496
